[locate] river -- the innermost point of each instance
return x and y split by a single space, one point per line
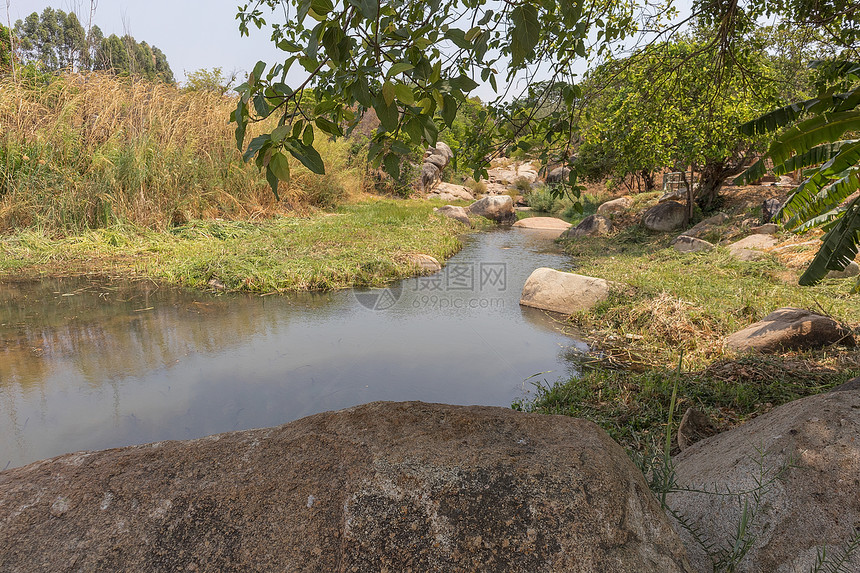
87 363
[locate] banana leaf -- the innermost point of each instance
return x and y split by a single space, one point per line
839 246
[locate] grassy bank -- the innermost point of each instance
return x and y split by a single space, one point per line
679 307
82 152
364 244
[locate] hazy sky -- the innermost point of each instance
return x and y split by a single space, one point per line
193 34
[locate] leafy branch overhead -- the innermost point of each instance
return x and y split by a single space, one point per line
830 165
413 63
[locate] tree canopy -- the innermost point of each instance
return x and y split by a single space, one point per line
57 40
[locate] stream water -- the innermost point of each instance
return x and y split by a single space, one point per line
90 364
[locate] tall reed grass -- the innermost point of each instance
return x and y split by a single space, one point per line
87 151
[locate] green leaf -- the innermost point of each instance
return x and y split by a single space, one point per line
280 166
256 145
388 115
404 94
399 68
308 135
261 106
392 165
839 246
322 7
369 8
307 155
388 93
280 133
329 127
449 110
273 182
525 35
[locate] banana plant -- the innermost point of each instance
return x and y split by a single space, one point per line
815 143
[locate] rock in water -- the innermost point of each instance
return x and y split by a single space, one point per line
380 487
789 329
549 289
499 208
803 459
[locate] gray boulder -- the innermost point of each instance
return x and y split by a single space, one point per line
456 213
380 487
789 329
549 224
442 148
593 226
614 206
769 209
665 217
557 176
499 208
553 290
803 461
440 161
430 175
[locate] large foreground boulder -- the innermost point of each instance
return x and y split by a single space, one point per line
499 208
549 289
802 460
789 329
381 487
665 217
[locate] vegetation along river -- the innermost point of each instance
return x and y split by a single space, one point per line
90 364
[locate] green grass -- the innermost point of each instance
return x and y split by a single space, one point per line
669 304
358 245
633 407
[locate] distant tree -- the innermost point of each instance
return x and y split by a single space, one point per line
58 40
126 57
204 80
5 49
663 108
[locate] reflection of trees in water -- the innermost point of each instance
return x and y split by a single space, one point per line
104 330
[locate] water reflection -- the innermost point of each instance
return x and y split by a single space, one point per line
88 364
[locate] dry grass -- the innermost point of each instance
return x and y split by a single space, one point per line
80 152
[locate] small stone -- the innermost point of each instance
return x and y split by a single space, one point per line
694 426
850 271
60 507
425 263
749 248
685 244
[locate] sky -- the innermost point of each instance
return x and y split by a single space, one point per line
194 34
